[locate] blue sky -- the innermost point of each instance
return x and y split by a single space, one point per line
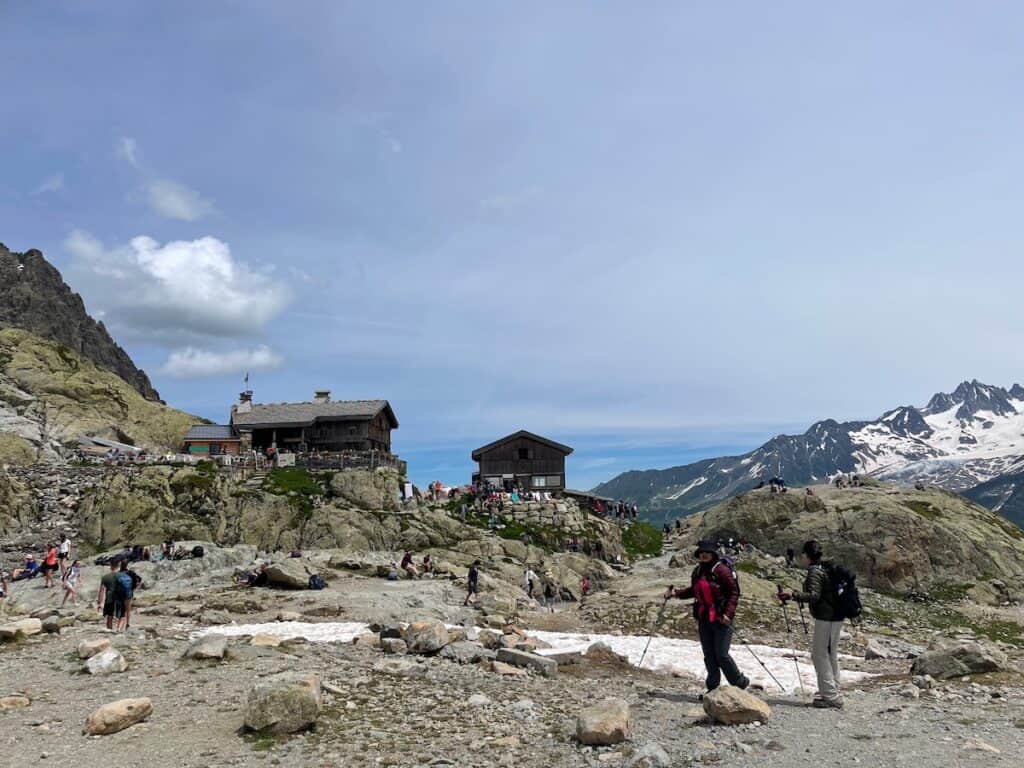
655 231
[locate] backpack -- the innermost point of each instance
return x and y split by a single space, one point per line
316 582
123 587
845 596
729 563
198 551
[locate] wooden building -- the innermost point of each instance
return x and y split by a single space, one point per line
212 440
320 425
531 461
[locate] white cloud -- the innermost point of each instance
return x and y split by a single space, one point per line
127 149
193 363
54 183
176 201
162 293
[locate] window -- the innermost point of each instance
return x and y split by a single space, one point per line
554 481
538 481
524 454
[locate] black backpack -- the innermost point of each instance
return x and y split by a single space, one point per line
316 582
845 596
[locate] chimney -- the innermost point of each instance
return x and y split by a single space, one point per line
322 396
244 402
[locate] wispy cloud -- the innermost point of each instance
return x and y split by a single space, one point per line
127 149
172 200
54 183
193 363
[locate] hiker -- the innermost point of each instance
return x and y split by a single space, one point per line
584 587
716 593
428 565
819 594
679 526
549 596
105 596
124 592
258 578
70 582
64 553
29 571
472 583
409 566
665 529
790 557
530 579
50 564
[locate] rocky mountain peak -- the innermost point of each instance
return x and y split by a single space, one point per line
1017 392
34 297
972 396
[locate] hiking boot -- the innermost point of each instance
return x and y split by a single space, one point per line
827 703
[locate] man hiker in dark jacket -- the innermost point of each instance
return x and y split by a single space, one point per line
715 593
818 593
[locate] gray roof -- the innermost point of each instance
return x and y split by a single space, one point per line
304 414
515 436
212 432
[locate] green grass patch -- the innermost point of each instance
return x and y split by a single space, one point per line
748 566
950 592
195 483
923 508
642 538
288 479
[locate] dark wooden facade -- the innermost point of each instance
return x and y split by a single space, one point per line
321 425
531 461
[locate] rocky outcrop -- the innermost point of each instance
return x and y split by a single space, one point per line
34 297
894 538
946 662
284 703
50 396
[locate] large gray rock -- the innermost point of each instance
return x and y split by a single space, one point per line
426 637
106 662
284 703
372 491
539 664
89 648
116 716
16 630
604 723
958 660
290 573
732 706
207 647
649 756
464 652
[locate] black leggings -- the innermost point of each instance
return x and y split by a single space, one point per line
715 639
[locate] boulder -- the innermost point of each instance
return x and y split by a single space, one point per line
215 617
20 629
733 706
106 662
507 670
490 639
116 716
89 648
464 652
367 640
426 637
958 660
602 653
283 703
51 625
875 650
539 664
603 724
393 645
290 573
288 616
207 647
369 490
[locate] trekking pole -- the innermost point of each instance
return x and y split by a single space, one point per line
657 621
802 619
758 659
793 645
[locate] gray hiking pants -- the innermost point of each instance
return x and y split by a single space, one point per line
825 656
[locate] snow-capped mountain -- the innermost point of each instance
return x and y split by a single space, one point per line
960 440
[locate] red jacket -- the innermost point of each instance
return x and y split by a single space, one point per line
725 591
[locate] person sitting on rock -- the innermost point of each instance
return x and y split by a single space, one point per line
29 571
716 594
409 566
258 578
428 565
